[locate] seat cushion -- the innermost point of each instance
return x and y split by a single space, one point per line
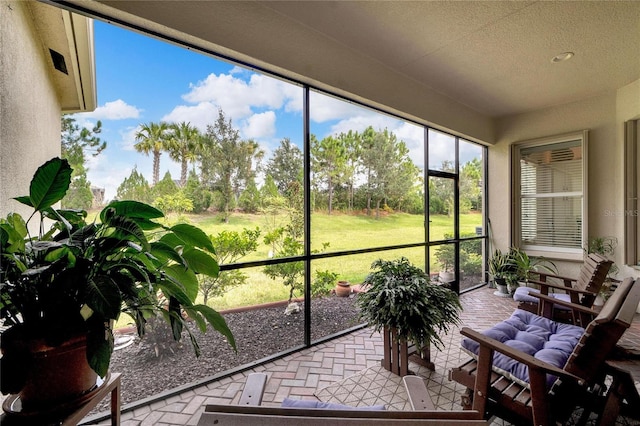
547 340
522 295
308 403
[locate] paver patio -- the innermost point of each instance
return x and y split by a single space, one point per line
303 373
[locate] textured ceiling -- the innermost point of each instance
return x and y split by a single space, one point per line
494 58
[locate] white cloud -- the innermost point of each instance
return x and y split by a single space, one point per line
238 98
441 148
260 126
413 136
108 173
116 110
199 115
365 119
128 137
326 108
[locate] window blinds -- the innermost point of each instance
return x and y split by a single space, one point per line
551 195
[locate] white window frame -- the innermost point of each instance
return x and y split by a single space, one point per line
632 192
568 253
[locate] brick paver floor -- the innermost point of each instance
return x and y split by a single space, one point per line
301 374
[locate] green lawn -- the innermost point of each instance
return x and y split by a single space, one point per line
342 232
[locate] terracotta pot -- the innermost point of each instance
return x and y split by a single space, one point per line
56 374
343 289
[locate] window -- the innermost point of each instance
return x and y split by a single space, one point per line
632 187
549 184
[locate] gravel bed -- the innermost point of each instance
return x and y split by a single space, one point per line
258 333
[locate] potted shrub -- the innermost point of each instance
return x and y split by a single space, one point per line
71 282
502 269
399 299
445 256
527 265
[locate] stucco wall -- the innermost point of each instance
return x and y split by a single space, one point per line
603 116
29 106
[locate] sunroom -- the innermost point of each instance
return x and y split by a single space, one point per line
530 93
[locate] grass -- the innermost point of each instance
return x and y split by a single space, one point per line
342 232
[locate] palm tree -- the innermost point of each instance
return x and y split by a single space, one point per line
184 142
152 137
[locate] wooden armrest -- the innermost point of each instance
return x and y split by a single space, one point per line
253 389
561 287
550 275
530 361
573 306
236 415
418 394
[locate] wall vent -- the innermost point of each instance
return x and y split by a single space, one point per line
58 61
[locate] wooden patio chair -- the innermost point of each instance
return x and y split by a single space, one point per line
249 411
545 393
582 290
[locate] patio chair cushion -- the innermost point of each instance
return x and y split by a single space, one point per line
547 340
307 403
522 295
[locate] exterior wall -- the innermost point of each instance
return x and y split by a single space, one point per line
29 106
603 116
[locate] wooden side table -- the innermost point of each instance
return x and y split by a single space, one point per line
111 386
625 373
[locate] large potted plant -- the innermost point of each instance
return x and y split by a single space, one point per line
400 301
64 287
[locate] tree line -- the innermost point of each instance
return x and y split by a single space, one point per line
363 172
368 171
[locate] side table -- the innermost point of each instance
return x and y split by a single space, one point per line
112 386
625 373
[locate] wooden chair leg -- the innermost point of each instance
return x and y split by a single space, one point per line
466 399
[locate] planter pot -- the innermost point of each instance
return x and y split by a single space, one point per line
447 276
502 289
599 301
55 375
395 352
343 289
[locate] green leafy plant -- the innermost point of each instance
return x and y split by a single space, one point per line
605 246
516 265
445 256
502 268
399 295
324 282
230 246
78 276
527 265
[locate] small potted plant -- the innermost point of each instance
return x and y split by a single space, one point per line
399 299
502 269
67 285
527 265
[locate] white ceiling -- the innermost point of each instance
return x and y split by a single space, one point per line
493 58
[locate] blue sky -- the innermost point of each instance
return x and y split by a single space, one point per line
140 79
